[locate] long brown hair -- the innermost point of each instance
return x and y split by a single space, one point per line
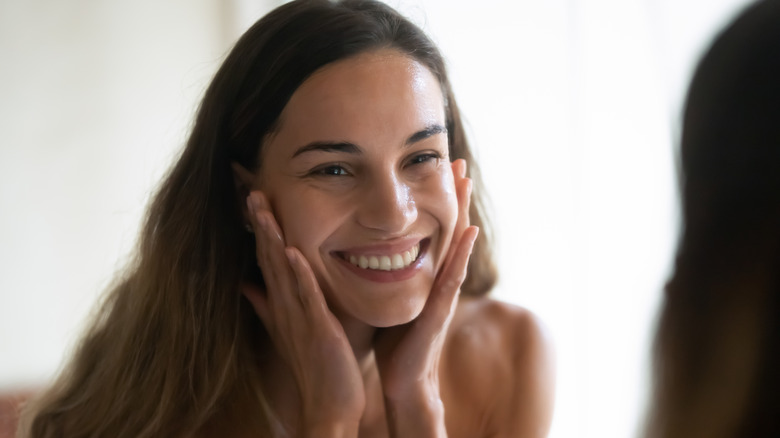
173 344
717 350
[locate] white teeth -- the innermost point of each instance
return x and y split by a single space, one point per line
398 261
386 262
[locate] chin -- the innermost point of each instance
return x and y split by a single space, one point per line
394 321
393 314
382 304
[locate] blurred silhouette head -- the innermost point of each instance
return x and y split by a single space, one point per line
717 346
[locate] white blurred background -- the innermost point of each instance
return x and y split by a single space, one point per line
572 105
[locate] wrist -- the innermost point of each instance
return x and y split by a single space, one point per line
337 417
424 407
418 415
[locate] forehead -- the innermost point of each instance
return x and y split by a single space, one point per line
373 92
364 71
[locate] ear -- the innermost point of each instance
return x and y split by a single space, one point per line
243 178
244 181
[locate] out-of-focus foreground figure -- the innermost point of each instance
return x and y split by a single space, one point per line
716 354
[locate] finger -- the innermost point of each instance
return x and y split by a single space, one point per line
463 191
309 292
463 187
441 303
257 207
269 244
459 168
256 296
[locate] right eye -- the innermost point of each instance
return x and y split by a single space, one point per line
330 170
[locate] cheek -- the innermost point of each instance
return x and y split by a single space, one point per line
438 196
297 221
306 219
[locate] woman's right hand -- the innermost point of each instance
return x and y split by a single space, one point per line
304 331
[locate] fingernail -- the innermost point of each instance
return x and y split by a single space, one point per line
463 168
262 221
262 202
254 200
250 203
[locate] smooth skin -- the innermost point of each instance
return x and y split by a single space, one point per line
359 165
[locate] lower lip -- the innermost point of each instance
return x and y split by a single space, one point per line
379 276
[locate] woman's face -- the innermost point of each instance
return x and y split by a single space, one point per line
359 179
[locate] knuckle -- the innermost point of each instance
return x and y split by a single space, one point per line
456 280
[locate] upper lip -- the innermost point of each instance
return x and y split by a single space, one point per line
386 248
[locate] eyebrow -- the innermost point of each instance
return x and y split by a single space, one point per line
328 146
351 148
429 131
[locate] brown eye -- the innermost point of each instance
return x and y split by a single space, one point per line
330 170
423 158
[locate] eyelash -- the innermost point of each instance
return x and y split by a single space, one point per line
328 169
424 157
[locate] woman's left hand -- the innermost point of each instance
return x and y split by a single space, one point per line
408 355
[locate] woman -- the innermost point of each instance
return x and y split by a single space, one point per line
718 342
300 267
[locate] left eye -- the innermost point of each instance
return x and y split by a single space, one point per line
422 158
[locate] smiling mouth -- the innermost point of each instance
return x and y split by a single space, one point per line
384 262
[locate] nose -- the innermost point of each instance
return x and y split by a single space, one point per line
388 205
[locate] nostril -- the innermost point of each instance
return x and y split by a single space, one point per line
388 206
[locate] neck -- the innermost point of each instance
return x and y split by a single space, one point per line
280 386
360 337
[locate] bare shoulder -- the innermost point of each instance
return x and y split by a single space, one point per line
499 357
501 331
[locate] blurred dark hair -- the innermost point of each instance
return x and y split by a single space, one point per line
173 346
718 342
